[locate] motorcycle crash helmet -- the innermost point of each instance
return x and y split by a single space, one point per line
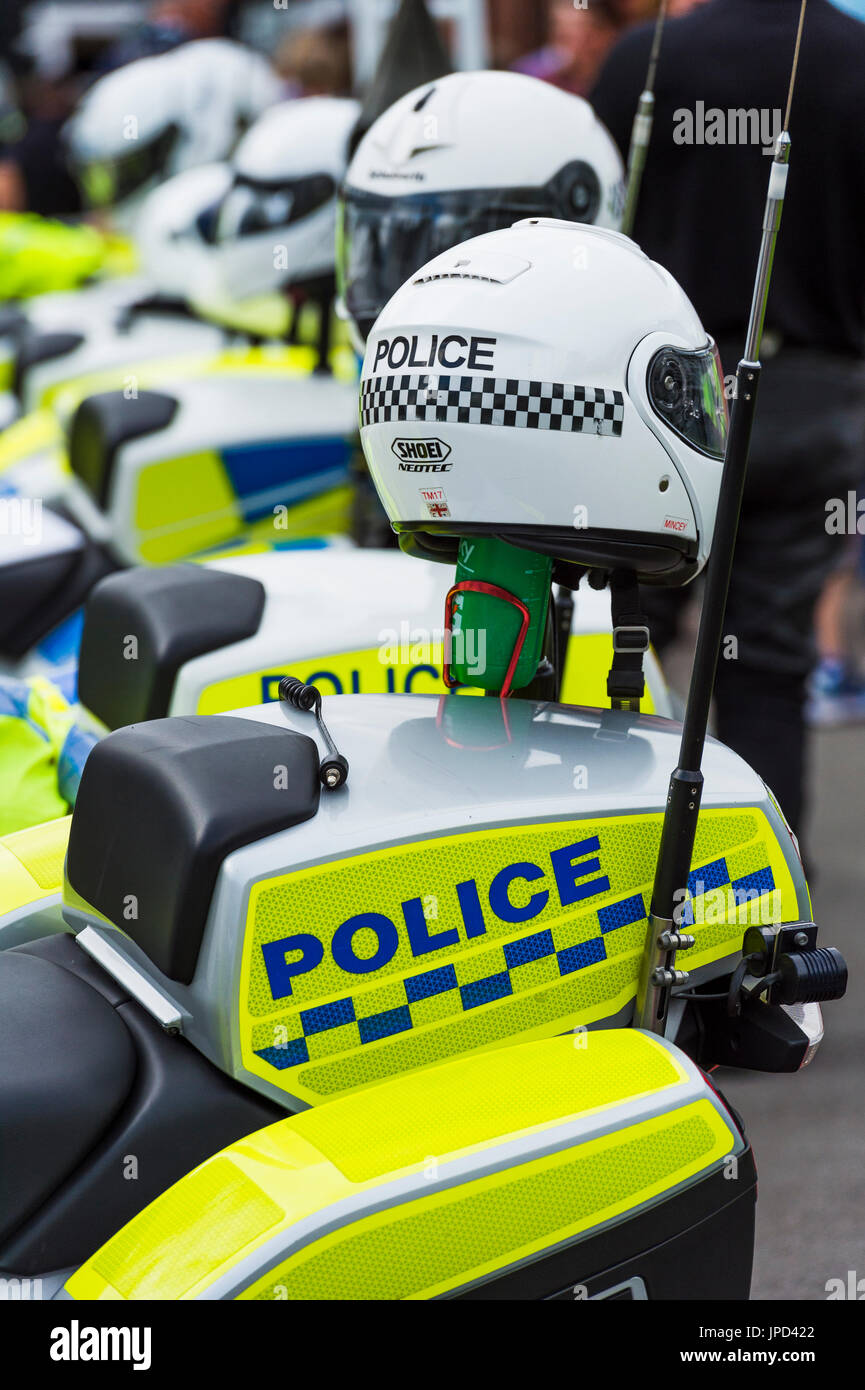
166 234
550 386
466 154
160 115
274 226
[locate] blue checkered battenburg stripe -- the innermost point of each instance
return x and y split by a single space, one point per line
480 400
535 946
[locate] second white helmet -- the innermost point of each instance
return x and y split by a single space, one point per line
467 154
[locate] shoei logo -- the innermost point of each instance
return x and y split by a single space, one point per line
567 876
422 455
449 352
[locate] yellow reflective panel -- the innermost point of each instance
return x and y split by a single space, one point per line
31 863
444 1241
352 1151
341 673
363 968
471 1101
412 669
184 504
33 433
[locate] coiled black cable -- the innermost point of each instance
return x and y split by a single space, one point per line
333 770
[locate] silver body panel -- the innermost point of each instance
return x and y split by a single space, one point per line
408 781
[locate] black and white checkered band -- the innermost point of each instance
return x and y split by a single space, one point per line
480 400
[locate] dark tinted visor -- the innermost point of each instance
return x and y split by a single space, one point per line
382 241
106 182
251 208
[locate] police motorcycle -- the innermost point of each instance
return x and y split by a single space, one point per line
378 991
116 330
382 237
227 467
133 130
261 619
110 325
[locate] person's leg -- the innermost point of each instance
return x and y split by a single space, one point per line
829 615
805 451
761 716
837 686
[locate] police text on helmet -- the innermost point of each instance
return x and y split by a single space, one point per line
450 351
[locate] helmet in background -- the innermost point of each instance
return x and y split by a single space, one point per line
275 224
166 231
464 155
160 115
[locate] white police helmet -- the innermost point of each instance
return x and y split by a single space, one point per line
550 385
160 115
466 154
275 224
169 243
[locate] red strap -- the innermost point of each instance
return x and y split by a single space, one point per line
480 586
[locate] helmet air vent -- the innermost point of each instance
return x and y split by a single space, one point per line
492 266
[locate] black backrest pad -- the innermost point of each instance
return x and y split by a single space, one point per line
35 347
162 804
141 625
105 421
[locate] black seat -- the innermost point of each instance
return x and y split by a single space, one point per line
43 584
88 1083
67 1064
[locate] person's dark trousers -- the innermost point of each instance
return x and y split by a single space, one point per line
807 448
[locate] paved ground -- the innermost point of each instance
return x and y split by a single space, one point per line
808 1130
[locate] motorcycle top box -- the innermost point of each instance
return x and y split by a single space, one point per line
595 1165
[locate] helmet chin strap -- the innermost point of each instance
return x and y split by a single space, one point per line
626 681
626 684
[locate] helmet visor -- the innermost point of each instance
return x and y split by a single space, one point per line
252 209
106 182
382 241
686 390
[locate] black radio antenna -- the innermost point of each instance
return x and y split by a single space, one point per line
669 893
641 130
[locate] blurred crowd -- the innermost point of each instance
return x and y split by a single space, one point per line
561 42
35 104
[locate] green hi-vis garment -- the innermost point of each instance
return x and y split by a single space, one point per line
42 752
38 255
